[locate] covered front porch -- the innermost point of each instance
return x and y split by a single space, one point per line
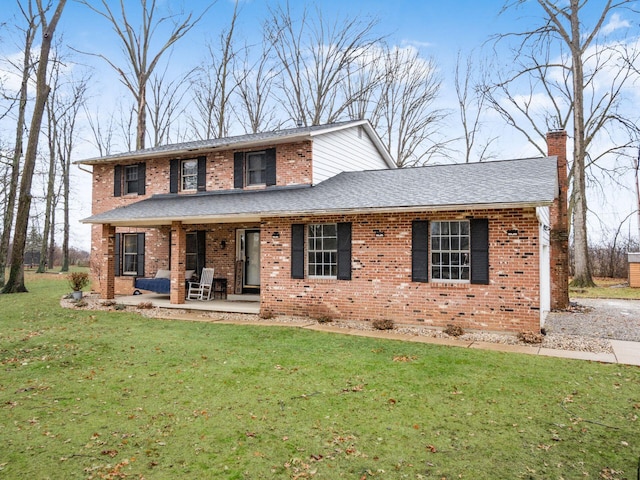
245 303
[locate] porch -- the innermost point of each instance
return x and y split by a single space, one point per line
232 304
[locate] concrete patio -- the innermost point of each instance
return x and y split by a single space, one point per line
232 304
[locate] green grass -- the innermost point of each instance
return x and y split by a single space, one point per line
114 395
607 288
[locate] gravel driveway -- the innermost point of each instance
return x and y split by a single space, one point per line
598 318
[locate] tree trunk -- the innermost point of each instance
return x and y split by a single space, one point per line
582 268
15 166
15 283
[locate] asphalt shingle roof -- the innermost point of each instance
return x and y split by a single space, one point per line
526 182
219 143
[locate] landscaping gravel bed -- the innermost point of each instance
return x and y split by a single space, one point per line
586 326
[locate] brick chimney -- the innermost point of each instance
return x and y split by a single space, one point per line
559 224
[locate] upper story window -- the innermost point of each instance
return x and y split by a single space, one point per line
256 165
189 174
254 168
129 179
450 250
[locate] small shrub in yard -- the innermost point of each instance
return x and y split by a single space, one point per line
80 304
144 306
120 306
324 319
530 337
266 314
454 330
78 280
383 324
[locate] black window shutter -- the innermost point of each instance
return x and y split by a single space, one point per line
344 251
297 250
270 161
202 174
140 252
238 170
174 175
480 251
420 251
116 255
201 257
117 180
142 171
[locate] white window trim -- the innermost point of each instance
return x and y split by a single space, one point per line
247 175
192 175
126 254
432 251
125 180
308 251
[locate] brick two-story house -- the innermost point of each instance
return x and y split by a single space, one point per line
319 222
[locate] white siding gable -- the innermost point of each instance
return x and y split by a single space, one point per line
345 150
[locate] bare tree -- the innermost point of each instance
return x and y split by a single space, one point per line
15 282
255 108
214 85
408 120
571 83
137 49
315 56
166 106
471 109
26 69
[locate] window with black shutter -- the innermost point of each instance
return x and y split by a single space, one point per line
129 254
450 251
129 179
328 252
254 168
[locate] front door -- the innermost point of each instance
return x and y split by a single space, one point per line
249 256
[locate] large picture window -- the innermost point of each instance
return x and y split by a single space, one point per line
322 250
450 250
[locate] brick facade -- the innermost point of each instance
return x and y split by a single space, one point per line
293 167
381 285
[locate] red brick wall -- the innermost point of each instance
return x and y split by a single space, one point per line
293 166
559 224
381 285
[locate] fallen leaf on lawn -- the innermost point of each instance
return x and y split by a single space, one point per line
111 453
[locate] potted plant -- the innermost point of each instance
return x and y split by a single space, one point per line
77 281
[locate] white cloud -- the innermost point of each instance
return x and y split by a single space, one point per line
417 44
615 23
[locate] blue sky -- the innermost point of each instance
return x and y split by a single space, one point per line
438 28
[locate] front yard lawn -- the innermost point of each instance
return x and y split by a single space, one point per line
114 395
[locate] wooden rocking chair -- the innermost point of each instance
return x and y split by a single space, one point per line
201 290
